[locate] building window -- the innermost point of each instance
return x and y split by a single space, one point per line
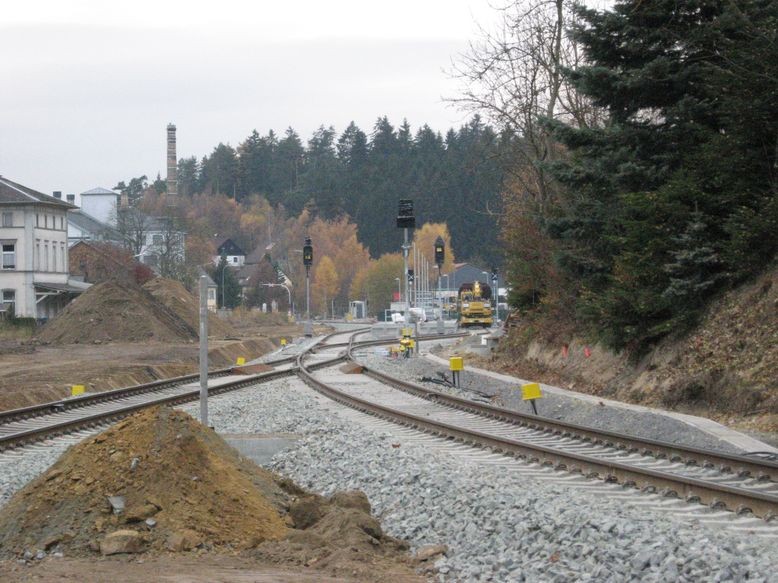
37 219
9 255
53 256
8 219
212 295
45 256
45 221
64 255
8 301
37 265
234 259
156 239
61 224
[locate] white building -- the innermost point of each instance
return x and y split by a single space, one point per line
34 271
226 247
163 243
101 204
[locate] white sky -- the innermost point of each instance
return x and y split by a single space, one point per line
89 86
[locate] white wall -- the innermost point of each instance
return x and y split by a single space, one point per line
40 236
100 206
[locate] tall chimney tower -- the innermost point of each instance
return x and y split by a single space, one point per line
172 163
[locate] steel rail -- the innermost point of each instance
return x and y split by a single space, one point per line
724 462
101 418
90 399
20 438
692 489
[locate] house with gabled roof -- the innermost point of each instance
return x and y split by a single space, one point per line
34 267
236 257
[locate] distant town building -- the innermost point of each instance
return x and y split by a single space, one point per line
101 204
163 242
35 280
236 257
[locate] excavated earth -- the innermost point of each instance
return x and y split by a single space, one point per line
159 482
175 297
113 311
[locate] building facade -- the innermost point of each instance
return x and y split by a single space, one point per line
34 270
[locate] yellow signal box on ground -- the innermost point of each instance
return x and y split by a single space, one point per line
283 342
76 390
241 361
456 363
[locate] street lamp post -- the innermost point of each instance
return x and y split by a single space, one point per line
308 261
496 286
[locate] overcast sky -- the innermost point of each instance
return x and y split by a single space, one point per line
88 87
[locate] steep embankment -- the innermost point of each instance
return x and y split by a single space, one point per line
727 368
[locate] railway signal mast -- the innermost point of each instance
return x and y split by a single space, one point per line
308 261
405 221
440 257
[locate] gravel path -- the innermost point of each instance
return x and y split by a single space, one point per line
501 394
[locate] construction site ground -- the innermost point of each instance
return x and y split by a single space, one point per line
206 568
33 373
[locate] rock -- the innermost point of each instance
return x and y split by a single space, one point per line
52 541
352 499
40 555
140 513
134 463
428 552
151 523
183 540
306 511
117 503
122 541
28 555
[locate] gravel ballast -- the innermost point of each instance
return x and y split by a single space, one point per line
554 406
499 525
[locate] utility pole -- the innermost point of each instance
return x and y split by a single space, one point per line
204 350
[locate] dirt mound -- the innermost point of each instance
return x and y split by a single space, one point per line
159 464
159 481
116 311
178 300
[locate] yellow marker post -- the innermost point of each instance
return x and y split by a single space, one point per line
241 361
530 392
76 390
283 342
456 365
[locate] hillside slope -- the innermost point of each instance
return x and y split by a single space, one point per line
727 368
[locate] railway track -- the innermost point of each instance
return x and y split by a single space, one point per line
20 427
721 481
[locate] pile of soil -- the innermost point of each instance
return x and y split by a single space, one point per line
186 306
116 311
159 481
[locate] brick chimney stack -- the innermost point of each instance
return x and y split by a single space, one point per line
172 164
